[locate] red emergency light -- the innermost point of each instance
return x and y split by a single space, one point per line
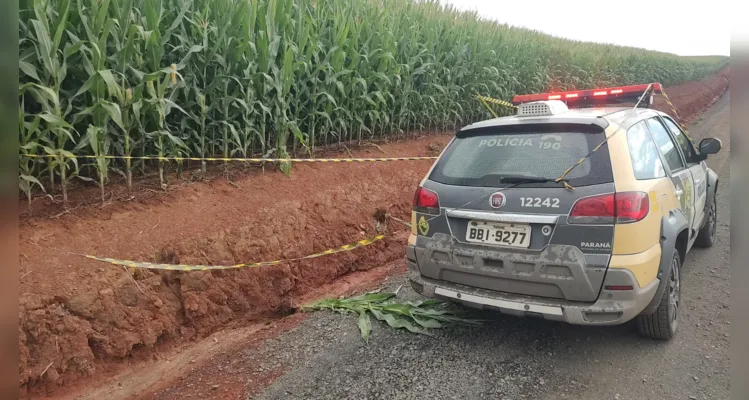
601 96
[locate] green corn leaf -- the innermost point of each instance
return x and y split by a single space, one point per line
83 143
171 104
426 322
301 137
68 156
398 322
329 97
365 325
43 93
28 55
28 69
63 9
54 120
174 139
83 114
29 147
368 100
137 106
140 76
33 180
86 87
49 151
62 71
186 59
114 112
45 47
112 87
67 133
373 297
403 309
341 90
234 133
184 7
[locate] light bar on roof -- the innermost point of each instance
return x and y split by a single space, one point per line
598 95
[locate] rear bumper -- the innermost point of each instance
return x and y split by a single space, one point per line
557 271
613 307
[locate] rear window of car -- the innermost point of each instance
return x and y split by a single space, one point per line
483 159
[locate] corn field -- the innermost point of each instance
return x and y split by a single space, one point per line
237 78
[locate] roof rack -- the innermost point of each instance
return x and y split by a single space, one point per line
596 97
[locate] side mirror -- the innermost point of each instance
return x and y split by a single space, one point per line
710 146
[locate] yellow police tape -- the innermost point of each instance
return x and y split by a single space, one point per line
496 101
488 107
183 267
294 160
673 108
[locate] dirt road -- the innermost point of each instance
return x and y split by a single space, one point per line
509 358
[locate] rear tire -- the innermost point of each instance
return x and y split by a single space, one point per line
706 237
662 324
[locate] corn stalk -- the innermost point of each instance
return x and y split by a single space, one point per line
44 62
27 166
414 316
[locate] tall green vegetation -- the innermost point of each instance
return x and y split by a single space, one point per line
231 78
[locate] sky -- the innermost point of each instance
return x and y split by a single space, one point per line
663 25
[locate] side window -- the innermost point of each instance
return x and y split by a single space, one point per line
683 141
666 145
646 162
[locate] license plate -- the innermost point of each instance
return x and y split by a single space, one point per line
512 235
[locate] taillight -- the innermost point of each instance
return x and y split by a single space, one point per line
631 206
620 208
426 201
593 210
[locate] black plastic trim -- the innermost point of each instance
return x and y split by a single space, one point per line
538 125
671 227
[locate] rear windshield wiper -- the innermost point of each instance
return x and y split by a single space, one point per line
524 179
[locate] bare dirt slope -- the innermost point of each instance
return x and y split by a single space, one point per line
81 321
80 315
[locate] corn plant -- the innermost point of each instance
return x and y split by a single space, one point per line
124 36
27 166
44 62
414 316
100 87
113 80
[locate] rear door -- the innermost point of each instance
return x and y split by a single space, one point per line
681 176
514 221
697 168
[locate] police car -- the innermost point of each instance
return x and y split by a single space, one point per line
580 208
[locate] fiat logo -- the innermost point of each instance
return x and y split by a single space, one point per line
497 200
